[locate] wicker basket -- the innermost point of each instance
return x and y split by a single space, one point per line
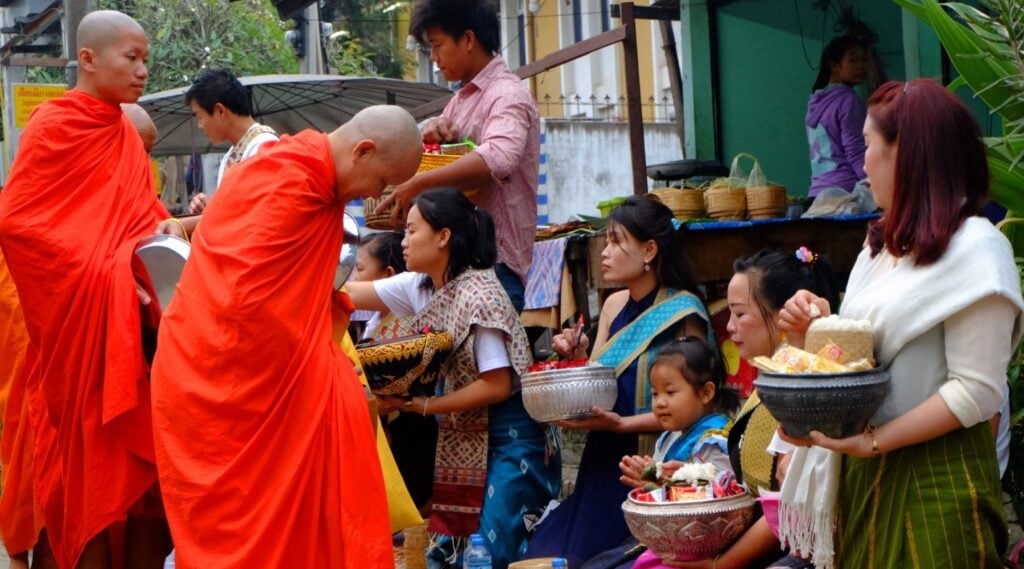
686 203
766 202
383 220
724 202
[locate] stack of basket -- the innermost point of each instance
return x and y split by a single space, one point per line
686 203
725 202
383 219
766 202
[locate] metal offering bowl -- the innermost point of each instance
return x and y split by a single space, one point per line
348 252
689 530
554 395
163 257
406 365
836 404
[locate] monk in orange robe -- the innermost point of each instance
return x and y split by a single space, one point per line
265 447
78 200
20 517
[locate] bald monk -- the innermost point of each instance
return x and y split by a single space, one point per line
79 198
264 442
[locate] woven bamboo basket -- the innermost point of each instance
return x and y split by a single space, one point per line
765 202
686 203
383 220
724 202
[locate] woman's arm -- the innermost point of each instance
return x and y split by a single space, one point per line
491 387
364 296
977 350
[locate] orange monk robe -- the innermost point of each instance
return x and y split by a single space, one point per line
264 442
401 508
79 198
20 516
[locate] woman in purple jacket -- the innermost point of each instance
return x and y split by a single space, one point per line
835 117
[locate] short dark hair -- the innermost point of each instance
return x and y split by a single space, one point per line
647 219
455 18
472 244
776 275
834 53
941 175
219 86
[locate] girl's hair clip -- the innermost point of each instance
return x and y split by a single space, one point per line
805 255
676 224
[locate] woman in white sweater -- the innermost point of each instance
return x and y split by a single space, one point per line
940 286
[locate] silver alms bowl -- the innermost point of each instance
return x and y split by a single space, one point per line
558 394
836 404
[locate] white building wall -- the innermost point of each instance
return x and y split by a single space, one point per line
588 162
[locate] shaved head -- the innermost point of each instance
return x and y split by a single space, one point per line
142 123
391 127
102 28
381 145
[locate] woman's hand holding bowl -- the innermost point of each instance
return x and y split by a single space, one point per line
858 445
600 421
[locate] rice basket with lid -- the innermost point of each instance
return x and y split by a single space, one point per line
838 405
688 530
405 365
569 393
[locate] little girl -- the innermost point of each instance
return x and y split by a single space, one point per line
691 405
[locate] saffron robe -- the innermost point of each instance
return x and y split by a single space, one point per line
79 198
264 442
20 516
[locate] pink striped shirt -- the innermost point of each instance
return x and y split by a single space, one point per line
498 112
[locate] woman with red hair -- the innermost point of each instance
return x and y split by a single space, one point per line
920 487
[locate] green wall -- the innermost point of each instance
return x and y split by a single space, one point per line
768 58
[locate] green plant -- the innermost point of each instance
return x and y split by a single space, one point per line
987 50
349 58
187 36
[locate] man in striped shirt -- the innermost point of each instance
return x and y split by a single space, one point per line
495 110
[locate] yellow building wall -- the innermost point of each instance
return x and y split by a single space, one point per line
544 40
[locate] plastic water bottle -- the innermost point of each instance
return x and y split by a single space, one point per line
476 555
558 563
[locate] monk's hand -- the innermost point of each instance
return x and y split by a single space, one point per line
198 203
144 297
171 227
439 130
602 420
796 315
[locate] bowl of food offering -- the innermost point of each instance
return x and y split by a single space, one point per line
569 389
838 404
694 514
408 365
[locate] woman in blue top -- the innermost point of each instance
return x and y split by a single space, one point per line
835 117
657 306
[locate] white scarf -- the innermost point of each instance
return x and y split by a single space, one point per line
902 302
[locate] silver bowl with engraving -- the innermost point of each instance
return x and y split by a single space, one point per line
570 393
689 530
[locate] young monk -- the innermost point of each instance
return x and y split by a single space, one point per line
265 448
79 198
